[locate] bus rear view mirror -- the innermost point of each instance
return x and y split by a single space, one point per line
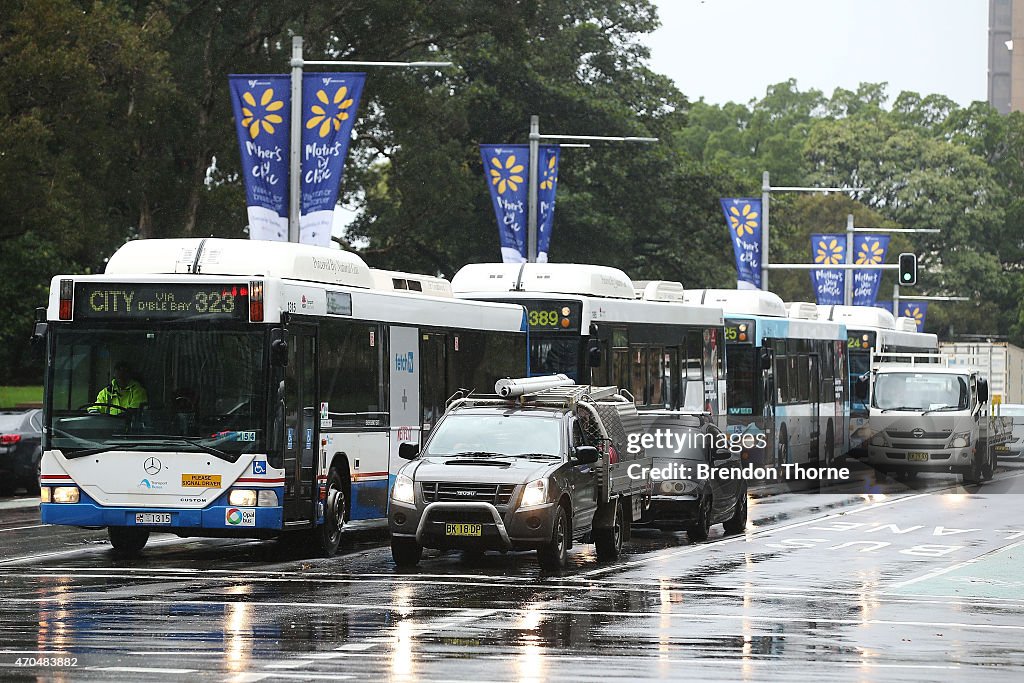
594 355
278 348
407 450
766 359
860 388
38 334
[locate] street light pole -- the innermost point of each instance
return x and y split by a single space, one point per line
295 153
535 138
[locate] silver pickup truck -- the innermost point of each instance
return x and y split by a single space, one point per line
536 470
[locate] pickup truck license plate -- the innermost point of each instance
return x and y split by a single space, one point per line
152 518
462 530
922 457
1002 448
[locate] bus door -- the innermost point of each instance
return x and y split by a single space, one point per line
815 399
434 389
300 423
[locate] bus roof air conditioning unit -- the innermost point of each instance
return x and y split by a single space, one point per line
738 301
555 278
659 290
802 310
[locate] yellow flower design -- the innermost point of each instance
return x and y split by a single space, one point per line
743 221
870 253
332 112
548 181
829 253
507 176
915 313
260 117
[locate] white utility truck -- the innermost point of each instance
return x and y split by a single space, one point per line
928 416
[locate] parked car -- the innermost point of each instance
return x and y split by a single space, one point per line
20 450
1014 448
685 499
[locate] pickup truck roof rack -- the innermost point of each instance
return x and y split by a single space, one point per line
904 358
556 397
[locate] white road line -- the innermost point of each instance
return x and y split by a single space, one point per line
959 565
19 528
767 531
142 670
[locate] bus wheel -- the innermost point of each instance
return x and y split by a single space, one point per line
127 540
328 535
609 541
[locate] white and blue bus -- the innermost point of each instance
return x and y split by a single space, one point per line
788 376
597 326
873 330
279 378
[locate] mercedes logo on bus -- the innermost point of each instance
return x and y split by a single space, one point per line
152 466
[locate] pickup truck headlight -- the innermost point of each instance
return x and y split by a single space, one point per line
960 440
880 439
403 491
535 493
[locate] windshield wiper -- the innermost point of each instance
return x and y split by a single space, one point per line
546 456
157 440
122 446
911 408
943 408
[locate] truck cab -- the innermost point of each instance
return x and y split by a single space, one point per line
536 469
927 416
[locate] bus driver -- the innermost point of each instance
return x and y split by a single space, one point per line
123 392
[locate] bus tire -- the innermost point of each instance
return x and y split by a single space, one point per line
553 555
406 551
609 541
830 445
127 540
782 452
327 536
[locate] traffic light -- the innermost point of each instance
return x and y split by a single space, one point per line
908 269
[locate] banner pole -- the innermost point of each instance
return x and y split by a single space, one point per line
294 163
848 277
531 218
765 192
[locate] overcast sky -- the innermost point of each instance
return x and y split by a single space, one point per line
731 50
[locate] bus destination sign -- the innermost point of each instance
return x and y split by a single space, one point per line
553 316
739 331
133 301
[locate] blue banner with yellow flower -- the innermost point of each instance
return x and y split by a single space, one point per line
868 250
506 168
916 310
329 105
829 285
262 107
743 218
262 114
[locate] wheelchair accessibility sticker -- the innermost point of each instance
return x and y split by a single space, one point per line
259 466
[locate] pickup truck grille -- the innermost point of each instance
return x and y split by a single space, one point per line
442 491
925 435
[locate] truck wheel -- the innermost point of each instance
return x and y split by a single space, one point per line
972 476
609 541
988 470
127 540
553 555
406 551
737 524
698 531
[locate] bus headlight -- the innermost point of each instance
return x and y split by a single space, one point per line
267 498
535 493
44 494
960 440
65 494
242 498
403 491
880 439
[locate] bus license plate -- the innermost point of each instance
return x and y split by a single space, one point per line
152 518
921 457
462 530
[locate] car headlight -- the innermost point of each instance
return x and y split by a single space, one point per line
403 491
879 439
678 487
65 494
960 440
243 498
535 493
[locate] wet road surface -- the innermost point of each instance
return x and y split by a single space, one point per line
913 583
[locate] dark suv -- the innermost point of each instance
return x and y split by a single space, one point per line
20 440
533 473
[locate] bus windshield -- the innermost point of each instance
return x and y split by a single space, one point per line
193 388
740 388
551 356
920 391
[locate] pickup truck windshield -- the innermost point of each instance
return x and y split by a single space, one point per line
501 435
920 391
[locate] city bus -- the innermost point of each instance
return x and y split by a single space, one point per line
788 376
597 326
279 380
873 330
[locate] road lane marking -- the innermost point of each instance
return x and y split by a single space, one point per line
19 528
143 670
959 565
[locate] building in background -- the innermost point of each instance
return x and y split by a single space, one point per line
1006 65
